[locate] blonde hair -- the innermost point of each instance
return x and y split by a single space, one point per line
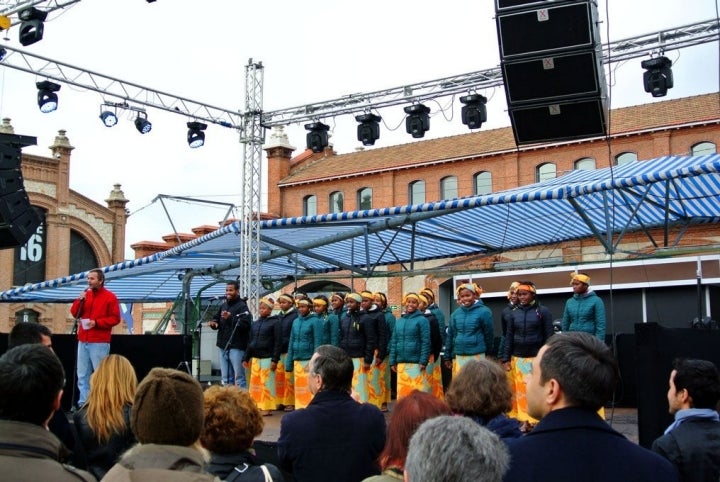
112 387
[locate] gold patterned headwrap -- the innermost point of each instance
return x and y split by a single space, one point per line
513 288
269 302
471 287
526 287
583 278
353 296
408 296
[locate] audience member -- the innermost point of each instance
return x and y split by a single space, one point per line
692 441
335 438
27 333
481 391
167 419
572 376
406 417
232 421
448 448
31 386
103 423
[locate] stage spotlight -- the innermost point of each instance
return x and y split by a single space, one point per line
32 26
474 112
317 137
195 135
47 98
109 118
417 122
142 124
658 77
368 131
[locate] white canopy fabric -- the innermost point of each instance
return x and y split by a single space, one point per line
671 191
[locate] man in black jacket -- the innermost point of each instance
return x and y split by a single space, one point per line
692 441
233 324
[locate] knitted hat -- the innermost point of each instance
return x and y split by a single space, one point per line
168 409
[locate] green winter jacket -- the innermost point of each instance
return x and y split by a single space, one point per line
585 312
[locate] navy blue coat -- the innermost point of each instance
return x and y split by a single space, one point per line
576 444
265 339
335 439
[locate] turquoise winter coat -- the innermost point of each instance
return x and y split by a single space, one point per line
470 331
306 335
410 340
585 312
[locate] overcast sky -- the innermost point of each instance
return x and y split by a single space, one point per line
312 51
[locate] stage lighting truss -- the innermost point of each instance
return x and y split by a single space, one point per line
32 26
368 131
474 112
142 125
195 135
658 76
47 98
317 136
417 123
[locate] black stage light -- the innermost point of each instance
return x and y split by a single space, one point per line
108 117
368 131
195 135
474 112
32 26
417 122
3 53
317 136
142 124
47 98
658 77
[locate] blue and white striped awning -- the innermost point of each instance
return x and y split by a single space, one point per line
673 191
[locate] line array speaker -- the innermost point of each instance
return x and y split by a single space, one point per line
18 220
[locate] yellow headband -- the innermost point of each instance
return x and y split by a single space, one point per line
319 301
513 288
338 296
428 293
353 296
470 287
408 296
424 299
269 302
304 302
529 288
583 278
367 294
286 297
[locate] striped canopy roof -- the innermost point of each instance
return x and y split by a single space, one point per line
676 191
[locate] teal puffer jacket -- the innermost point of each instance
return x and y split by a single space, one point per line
306 335
410 340
585 312
470 331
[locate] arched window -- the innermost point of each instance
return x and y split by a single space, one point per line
82 257
364 199
585 164
625 157
310 205
449 187
416 192
482 183
545 171
336 202
703 149
29 265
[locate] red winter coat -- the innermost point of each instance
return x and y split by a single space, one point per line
102 306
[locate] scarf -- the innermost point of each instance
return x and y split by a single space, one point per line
682 415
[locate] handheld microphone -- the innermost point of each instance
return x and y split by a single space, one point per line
215 298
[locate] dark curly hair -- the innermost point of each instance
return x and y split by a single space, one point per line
232 420
481 389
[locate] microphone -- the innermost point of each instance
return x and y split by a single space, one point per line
215 298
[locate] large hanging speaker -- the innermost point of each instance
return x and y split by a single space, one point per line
18 220
542 31
575 119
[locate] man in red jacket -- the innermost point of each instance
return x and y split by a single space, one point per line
98 311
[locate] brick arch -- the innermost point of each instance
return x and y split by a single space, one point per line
102 253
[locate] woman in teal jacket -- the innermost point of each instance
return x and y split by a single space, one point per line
410 348
306 335
470 330
585 311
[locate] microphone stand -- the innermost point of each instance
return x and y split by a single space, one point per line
198 333
74 331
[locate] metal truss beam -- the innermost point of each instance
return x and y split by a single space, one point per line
10 8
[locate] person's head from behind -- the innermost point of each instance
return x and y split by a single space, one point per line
31 384
693 384
407 416
455 448
480 389
112 388
232 420
331 369
168 409
30 332
572 369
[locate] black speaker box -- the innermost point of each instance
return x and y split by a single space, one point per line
504 5
18 220
576 119
544 31
543 79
